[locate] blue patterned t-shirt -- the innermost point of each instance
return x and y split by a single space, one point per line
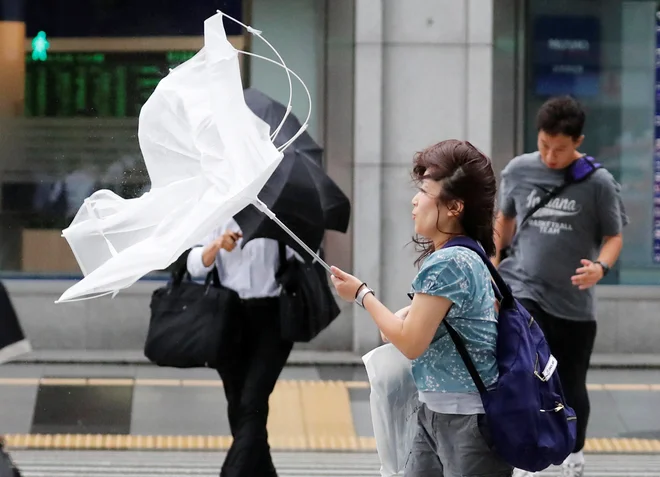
459 275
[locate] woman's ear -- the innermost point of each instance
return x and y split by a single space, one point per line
455 208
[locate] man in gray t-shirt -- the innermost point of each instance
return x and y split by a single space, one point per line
555 240
559 253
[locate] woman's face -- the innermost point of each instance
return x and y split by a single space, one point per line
427 214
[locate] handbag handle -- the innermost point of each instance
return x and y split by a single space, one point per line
212 276
180 272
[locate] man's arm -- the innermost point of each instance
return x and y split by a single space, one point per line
201 258
505 223
611 219
505 227
611 249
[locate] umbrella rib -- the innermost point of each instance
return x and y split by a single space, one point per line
271 215
257 33
303 128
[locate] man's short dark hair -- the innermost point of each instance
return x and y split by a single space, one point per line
561 115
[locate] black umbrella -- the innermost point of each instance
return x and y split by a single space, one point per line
299 192
272 112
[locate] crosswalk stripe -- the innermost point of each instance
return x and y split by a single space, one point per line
295 464
81 381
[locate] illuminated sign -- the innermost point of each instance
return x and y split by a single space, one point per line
95 84
566 55
40 47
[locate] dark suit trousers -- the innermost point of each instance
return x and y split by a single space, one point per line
251 360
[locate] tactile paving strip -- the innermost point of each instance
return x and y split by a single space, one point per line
220 443
305 415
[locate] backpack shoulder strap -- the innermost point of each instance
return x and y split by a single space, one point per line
544 201
465 356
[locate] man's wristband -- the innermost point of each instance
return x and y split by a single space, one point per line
604 266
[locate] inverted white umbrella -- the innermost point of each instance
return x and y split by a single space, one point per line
207 156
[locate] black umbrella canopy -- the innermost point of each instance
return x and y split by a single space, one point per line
272 112
299 192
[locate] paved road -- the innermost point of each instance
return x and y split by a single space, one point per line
297 464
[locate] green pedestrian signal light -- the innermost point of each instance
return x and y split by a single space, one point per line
40 47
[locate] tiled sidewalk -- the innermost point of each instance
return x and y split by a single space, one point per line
312 408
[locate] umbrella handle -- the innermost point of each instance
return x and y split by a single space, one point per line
271 215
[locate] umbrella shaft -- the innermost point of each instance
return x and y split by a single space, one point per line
264 208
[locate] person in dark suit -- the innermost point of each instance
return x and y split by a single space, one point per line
254 354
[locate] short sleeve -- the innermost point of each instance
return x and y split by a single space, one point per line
507 203
441 275
612 215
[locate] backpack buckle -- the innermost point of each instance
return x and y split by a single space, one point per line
557 408
540 376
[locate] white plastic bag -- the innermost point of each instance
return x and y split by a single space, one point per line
394 404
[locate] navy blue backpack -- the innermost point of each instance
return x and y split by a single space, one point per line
530 424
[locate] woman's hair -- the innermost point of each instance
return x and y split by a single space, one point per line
465 175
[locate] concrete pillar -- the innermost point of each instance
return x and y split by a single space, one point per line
12 58
12 94
423 73
368 162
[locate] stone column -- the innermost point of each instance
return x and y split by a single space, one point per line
423 73
12 58
12 94
368 162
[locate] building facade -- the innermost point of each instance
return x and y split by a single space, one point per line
387 78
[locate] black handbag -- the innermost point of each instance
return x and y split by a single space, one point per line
188 321
307 305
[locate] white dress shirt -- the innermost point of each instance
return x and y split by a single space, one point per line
249 271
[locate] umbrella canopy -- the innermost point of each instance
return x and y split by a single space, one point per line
299 192
207 155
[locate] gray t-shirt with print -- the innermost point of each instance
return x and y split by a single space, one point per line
548 249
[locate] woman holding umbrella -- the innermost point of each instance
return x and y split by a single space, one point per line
254 353
456 197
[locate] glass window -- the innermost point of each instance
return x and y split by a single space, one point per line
604 54
75 133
